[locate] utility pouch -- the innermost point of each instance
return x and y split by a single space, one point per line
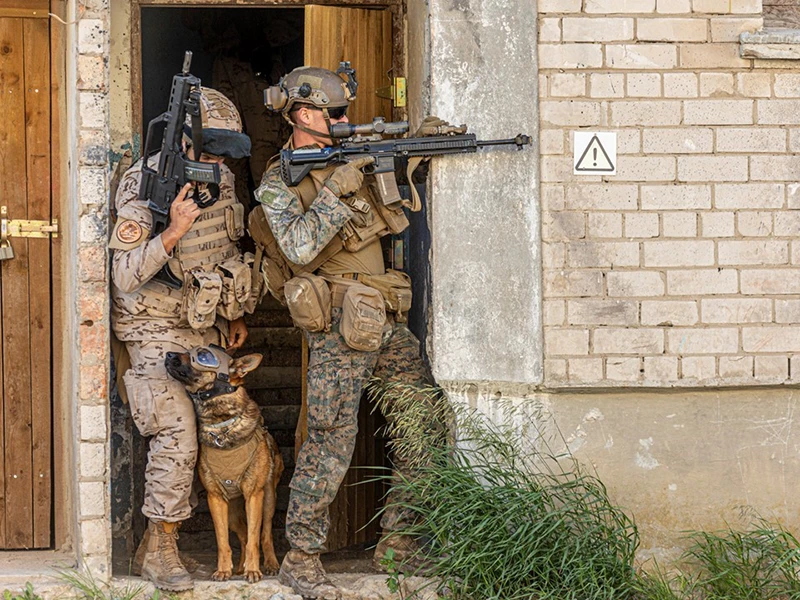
355 238
202 297
363 318
234 221
309 300
235 276
395 287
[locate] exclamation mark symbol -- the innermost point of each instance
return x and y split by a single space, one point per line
594 152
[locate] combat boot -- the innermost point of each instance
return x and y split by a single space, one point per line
189 563
305 575
161 563
408 556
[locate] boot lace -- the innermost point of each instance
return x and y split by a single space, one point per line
169 551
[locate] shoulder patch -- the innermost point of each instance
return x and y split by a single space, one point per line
129 232
272 192
127 235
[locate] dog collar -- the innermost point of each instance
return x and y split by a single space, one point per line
219 388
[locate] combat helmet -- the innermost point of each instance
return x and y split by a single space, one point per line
222 126
314 86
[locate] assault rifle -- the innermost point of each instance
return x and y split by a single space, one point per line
160 186
365 140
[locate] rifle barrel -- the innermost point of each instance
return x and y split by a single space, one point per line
521 140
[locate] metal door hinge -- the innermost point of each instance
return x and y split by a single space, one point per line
396 92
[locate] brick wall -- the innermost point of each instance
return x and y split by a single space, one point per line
91 348
684 268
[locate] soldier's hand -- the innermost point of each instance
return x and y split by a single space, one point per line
182 215
237 334
433 125
348 178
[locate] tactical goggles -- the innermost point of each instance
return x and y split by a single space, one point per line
223 142
211 358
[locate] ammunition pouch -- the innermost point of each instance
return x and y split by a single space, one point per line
309 300
236 287
234 221
201 297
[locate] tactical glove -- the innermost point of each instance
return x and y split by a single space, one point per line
433 125
348 178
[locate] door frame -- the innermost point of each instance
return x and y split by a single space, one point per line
397 8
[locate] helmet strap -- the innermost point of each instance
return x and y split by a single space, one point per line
308 130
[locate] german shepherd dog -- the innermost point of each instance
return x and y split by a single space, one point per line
239 462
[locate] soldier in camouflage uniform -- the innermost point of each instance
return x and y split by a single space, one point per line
305 225
200 247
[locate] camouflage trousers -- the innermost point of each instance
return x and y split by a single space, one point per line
336 378
161 408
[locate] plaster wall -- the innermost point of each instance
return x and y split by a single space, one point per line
484 207
675 462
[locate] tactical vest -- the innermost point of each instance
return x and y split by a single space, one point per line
217 279
371 221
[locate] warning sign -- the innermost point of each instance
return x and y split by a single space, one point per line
595 153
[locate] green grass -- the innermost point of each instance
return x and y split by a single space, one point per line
501 515
86 587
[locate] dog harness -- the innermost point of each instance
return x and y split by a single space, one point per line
229 466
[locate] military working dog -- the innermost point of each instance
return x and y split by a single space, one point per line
239 462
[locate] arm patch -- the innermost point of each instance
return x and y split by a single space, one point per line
127 235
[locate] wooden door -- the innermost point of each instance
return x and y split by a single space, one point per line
363 37
25 282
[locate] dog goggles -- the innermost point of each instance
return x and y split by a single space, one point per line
211 358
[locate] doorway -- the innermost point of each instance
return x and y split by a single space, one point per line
241 51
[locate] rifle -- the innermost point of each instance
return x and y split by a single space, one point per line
160 186
366 140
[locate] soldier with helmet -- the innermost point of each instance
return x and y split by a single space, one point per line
328 229
199 247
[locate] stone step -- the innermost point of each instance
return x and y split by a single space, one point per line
354 586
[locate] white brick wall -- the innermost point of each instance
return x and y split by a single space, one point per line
684 267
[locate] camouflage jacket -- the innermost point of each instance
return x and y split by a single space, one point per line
301 234
143 308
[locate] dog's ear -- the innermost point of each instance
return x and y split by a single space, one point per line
240 367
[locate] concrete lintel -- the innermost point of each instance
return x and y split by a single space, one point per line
771 44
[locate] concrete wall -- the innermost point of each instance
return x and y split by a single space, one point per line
484 207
